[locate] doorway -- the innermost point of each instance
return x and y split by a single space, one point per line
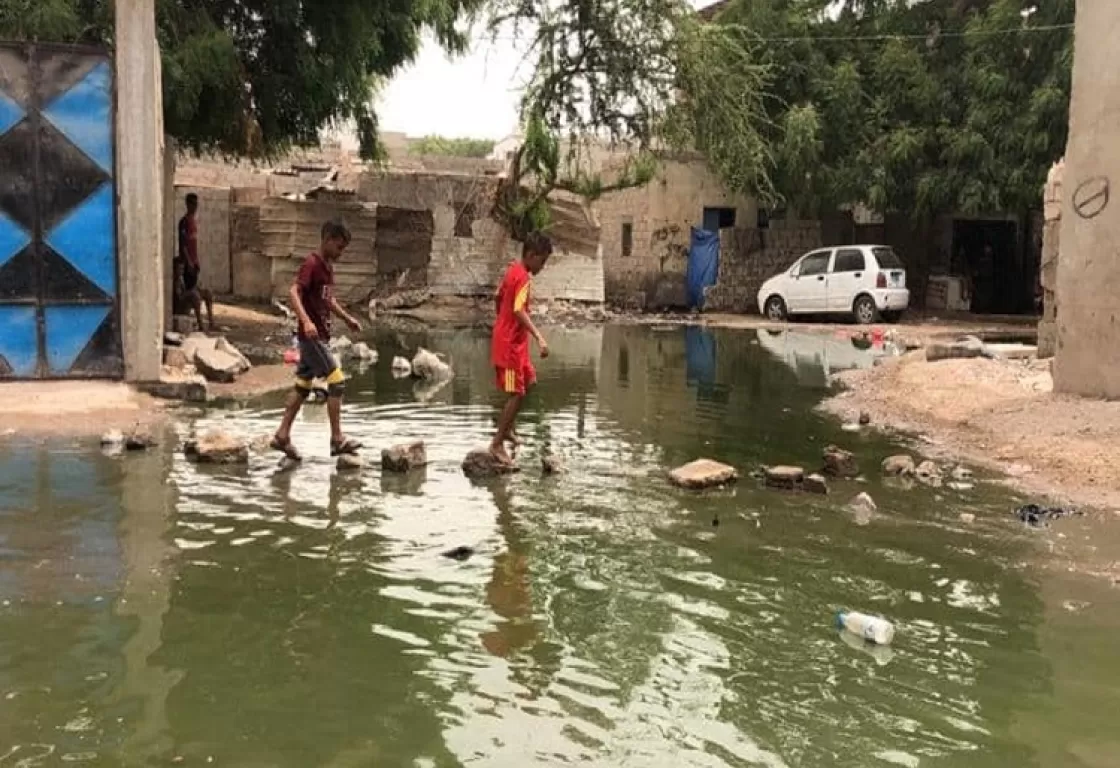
986 253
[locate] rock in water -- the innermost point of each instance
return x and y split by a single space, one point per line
349 462
928 473
551 464
899 466
138 439
815 484
480 463
961 473
784 477
404 458
216 447
703 473
362 352
460 553
840 463
401 367
112 439
863 505
426 365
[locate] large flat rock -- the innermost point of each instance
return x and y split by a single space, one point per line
481 464
703 473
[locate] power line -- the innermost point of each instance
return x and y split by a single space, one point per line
934 35
861 38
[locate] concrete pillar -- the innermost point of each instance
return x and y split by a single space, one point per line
140 187
1088 356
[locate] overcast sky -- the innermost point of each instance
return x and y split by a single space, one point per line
475 95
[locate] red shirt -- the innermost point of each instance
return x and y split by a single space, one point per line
316 287
188 240
509 346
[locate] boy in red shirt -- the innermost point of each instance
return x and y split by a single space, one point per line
509 345
312 296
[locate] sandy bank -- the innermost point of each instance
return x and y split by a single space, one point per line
1002 415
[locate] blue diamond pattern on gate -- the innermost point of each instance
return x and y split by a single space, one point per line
84 115
10 113
87 239
12 239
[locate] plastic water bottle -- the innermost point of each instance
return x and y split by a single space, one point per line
871 628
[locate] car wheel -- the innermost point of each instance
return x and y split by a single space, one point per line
892 316
775 308
865 310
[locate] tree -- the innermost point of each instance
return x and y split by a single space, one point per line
440 145
255 77
920 108
612 73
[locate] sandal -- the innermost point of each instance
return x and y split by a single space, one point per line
347 446
285 447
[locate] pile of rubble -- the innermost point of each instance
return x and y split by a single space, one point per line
192 361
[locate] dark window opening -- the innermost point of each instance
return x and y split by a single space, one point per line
627 238
716 219
464 219
849 260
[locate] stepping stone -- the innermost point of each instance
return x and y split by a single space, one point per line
405 457
815 484
784 477
703 473
480 463
840 463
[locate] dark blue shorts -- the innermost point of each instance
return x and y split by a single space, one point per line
316 361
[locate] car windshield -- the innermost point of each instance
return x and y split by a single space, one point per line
887 258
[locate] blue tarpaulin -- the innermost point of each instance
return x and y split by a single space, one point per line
703 265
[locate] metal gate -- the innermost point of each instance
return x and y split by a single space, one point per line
59 297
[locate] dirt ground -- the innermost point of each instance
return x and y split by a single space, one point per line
74 408
998 414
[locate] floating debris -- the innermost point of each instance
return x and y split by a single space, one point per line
1039 516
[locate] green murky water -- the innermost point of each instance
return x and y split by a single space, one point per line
157 613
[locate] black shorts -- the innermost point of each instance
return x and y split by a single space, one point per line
190 277
316 361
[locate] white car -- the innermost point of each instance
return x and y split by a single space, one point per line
867 281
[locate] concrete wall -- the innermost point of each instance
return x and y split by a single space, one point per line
213 234
140 187
465 264
661 216
1051 239
251 270
1088 350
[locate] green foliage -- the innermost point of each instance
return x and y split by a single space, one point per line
440 145
607 79
908 107
258 76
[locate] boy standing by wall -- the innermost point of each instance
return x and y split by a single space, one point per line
509 345
312 297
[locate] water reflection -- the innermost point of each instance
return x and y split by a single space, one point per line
157 611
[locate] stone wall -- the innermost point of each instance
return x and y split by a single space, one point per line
467 245
1051 237
659 218
469 251
750 256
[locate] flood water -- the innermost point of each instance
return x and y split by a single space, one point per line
157 613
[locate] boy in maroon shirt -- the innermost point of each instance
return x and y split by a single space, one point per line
509 345
312 296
